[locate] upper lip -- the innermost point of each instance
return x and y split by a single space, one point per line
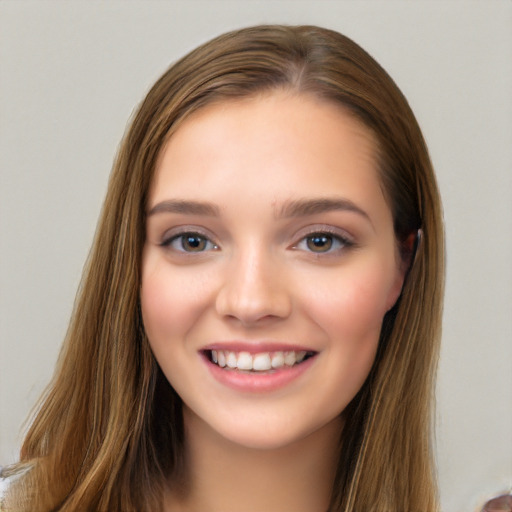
256 347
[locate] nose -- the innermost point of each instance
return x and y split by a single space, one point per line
254 289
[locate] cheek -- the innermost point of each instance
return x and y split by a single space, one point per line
170 303
352 303
348 310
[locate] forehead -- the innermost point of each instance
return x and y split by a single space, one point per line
283 142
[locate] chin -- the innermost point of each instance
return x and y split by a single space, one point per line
264 441
269 434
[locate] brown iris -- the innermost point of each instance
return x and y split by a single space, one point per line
192 242
319 242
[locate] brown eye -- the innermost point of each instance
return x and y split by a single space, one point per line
319 242
193 243
190 242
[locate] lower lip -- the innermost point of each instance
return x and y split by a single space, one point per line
261 382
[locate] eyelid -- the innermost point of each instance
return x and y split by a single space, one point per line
325 228
176 232
341 235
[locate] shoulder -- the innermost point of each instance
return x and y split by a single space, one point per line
500 503
8 476
4 484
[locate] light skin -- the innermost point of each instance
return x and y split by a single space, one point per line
267 230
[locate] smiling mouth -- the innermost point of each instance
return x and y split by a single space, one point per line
259 362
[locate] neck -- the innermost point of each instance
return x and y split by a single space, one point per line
223 476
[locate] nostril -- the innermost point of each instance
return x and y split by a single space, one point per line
252 296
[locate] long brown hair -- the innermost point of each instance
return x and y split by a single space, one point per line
108 434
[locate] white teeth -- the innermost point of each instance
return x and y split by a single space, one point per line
277 360
231 359
289 358
300 356
260 362
244 361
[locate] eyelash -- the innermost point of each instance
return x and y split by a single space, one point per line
189 234
336 242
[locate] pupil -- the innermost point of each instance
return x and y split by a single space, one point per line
320 243
194 243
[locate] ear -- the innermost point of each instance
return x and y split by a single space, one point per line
407 254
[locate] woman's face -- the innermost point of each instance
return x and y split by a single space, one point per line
269 263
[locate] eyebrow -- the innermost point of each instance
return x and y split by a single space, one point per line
304 207
295 208
185 207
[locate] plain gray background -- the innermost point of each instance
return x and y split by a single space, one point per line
71 73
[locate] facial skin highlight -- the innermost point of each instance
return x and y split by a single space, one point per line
268 232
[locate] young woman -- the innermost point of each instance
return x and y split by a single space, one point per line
258 324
